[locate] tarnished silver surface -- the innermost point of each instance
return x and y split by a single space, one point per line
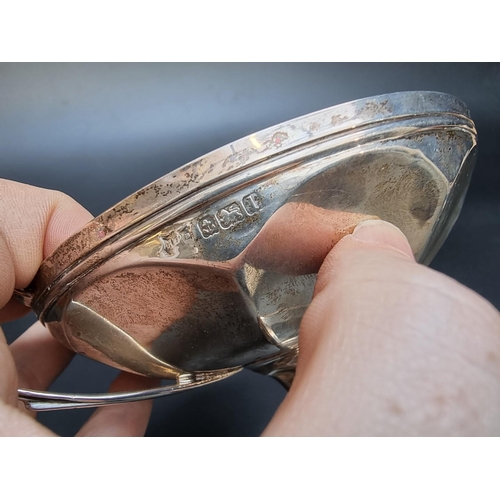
212 266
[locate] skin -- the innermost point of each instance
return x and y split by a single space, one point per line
35 359
387 346
392 348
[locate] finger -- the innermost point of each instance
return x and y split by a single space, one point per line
389 347
34 223
125 420
39 358
298 237
15 423
14 309
8 373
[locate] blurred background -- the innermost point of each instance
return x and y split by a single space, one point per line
99 132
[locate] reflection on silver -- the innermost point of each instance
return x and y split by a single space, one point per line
45 401
213 266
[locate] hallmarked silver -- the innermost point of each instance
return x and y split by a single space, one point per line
211 268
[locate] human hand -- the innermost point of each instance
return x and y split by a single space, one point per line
390 347
387 346
34 222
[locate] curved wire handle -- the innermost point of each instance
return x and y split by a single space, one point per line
49 401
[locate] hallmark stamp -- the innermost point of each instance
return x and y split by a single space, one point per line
208 226
170 243
186 234
230 215
176 241
252 203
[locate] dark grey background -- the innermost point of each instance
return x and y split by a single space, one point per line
101 131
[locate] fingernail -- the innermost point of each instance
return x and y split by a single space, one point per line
382 234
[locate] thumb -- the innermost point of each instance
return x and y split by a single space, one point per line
390 347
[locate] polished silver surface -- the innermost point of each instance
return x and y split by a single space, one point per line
48 401
212 266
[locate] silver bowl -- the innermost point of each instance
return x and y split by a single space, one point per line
211 268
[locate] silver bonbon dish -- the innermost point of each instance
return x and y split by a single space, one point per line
209 269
